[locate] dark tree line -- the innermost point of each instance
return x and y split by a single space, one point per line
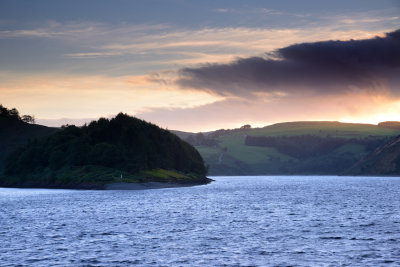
307 146
222 132
200 139
124 143
14 114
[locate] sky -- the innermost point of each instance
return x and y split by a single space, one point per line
201 65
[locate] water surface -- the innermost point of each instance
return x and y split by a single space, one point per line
235 221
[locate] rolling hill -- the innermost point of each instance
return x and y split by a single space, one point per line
290 148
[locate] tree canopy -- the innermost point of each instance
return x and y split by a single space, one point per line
14 114
123 143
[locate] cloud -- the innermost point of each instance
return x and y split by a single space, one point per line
328 67
102 69
82 31
170 45
225 10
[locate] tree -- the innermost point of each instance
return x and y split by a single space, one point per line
3 111
28 119
246 127
14 114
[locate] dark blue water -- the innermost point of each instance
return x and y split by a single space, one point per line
235 221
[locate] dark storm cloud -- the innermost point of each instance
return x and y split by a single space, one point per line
329 67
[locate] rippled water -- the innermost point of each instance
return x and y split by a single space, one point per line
235 221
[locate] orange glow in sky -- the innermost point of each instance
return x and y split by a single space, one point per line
188 69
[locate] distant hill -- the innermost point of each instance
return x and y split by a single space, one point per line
321 147
123 149
384 160
390 124
181 134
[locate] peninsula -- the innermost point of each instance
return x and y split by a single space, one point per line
107 153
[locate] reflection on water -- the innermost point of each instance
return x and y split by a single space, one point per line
235 221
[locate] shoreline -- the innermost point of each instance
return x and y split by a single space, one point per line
109 186
145 186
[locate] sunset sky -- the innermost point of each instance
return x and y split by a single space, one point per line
201 65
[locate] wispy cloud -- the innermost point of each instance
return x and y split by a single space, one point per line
142 62
189 47
183 46
225 10
94 54
81 30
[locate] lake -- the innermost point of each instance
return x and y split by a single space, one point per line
234 221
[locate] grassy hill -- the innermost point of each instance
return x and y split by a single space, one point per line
325 128
340 145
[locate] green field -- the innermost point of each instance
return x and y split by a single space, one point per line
324 128
232 157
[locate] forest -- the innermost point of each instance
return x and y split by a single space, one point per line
121 145
14 114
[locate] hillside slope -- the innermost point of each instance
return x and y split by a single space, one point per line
385 160
289 148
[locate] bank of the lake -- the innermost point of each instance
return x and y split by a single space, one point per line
149 185
132 182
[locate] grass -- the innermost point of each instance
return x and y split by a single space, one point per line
167 175
209 153
99 175
351 148
102 174
237 158
233 156
334 129
248 154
